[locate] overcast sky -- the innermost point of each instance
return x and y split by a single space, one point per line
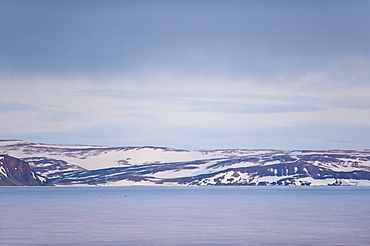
186 74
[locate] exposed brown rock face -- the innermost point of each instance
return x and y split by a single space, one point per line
15 172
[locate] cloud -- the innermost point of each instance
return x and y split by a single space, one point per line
231 102
237 38
179 73
62 115
348 102
302 136
16 106
348 76
244 108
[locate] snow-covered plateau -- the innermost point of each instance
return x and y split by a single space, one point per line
148 165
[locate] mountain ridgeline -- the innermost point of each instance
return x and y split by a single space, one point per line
102 165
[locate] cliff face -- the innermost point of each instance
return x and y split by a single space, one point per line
15 172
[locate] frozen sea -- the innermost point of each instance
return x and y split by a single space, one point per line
140 215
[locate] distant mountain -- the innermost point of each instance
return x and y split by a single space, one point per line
15 172
147 165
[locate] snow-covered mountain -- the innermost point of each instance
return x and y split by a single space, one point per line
146 165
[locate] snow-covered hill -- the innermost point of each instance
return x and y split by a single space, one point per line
102 165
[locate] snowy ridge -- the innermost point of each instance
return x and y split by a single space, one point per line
94 157
147 165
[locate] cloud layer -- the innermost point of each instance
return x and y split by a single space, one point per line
187 74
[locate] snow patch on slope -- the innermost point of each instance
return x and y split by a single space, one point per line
3 171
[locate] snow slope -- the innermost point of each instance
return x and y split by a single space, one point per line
97 157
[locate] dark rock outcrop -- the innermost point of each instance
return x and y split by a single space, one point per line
15 172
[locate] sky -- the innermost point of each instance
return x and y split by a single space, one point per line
186 74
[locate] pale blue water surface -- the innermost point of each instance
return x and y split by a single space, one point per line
185 215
